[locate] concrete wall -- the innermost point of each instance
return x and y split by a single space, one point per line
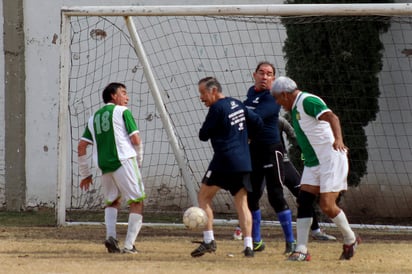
2 121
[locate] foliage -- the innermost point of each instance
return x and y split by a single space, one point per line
339 58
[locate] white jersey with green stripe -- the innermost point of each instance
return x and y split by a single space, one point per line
109 130
311 132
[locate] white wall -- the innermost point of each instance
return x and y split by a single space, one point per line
42 25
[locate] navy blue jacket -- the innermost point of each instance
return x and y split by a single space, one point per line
226 126
263 104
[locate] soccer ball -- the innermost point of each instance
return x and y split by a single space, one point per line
195 218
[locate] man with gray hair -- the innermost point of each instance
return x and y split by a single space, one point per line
226 126
326 167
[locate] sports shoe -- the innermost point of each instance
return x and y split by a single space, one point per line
130 251
322 236
349 250
259 246
248 252
290 248
237 234
112 245
299 257
203 248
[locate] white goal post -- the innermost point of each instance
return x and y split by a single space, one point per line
128 13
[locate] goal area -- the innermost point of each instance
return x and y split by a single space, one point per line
160 53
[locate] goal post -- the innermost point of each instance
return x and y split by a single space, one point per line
160 52
161 108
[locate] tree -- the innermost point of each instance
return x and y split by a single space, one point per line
339 58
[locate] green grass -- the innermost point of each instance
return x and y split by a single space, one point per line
46 217
41 217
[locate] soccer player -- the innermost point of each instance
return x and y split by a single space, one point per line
319 136
292 178
267 158
292 182
118 152
226 126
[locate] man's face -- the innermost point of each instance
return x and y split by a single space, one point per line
264 77
284 100
120 97
207 96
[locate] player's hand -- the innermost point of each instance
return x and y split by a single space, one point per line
86 182
340 146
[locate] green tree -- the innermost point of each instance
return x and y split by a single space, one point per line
339 58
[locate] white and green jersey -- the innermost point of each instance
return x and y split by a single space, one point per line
109 130
311 133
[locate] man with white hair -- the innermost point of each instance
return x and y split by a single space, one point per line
319 135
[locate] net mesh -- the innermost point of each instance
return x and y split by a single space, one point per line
181 50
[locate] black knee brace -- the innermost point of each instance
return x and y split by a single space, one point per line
305 204
277 200
253 200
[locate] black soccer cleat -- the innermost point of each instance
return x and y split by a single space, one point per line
204 248
133 250
112 245
259 246
248 252
289 248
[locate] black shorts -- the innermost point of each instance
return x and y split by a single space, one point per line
232 182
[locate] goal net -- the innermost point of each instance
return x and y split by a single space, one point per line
160 53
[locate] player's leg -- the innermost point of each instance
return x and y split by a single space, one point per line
303 222
292 182
316 231
134 226
112 200
253 197
331 209
245 220
205 197
292 178
333 176
274 184
207 191
256 192
130 183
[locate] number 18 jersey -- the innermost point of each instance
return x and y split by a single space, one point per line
109 130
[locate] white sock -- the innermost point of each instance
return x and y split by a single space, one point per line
342 223
302 231
110 219
247 242
315 231
133 228
208 236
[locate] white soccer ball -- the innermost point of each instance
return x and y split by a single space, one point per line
195 218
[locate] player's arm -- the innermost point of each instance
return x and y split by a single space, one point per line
84 170
286 127
334 122
254 123
138 146
134 136
317 108
210 124
267 108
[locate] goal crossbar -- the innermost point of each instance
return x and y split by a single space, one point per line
274 9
